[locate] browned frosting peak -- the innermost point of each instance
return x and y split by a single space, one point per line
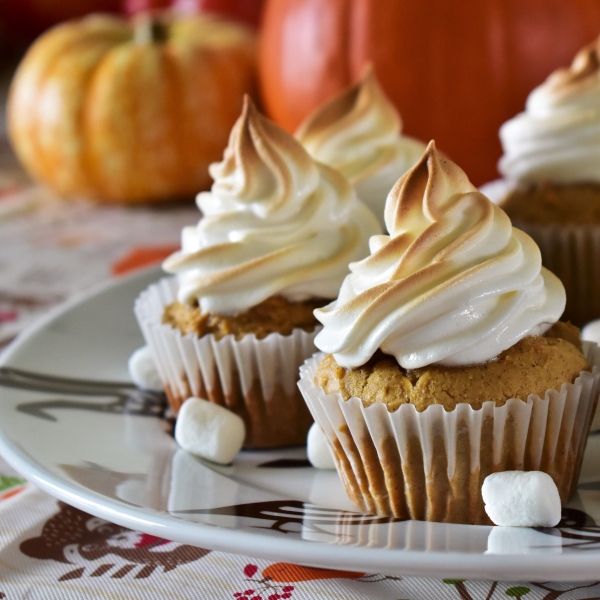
582 72
261 160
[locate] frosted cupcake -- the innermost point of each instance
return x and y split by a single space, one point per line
275 241
443 360
551 165
359 134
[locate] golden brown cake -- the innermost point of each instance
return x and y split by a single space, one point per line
532 366
554 203
273 315
284 422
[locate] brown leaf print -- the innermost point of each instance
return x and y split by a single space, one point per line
74 537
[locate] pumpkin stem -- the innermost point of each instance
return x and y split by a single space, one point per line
149 29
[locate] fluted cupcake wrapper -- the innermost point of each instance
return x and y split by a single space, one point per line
430 465
572 253
254 378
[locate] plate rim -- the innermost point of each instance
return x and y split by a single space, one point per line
417 563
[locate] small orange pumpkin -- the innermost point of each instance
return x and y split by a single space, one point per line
123 113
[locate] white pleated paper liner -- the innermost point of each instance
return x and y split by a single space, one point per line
430 465
572 253
256 379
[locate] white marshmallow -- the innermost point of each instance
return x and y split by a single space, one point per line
591 332
209 430
318 450
521 499
143 371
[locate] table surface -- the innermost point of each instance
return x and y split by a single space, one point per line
51 250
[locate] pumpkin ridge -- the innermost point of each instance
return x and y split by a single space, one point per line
47 155
181 121
138 101
37 69
86 135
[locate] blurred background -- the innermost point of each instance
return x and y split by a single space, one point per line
112 110
455 72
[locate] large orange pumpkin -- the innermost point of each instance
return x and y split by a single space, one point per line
104 110
456 69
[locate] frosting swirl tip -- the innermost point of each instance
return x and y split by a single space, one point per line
557 137
275 222
359 133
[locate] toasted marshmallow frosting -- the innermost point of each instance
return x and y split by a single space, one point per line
557 138
454 283
275 222
359 134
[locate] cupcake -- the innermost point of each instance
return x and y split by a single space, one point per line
359 134
551 165
236 321
442 360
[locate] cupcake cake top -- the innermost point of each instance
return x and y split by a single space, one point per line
557 138
359 133
453 283
275 222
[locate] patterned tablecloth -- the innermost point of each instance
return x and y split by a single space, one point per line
50 251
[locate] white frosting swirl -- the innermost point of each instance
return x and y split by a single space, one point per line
275 222
359 134
557 138
454 283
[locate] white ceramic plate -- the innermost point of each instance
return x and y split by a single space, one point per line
72 424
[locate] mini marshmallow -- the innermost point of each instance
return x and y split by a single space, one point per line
209 430
521 499
591 332
318 450
143 372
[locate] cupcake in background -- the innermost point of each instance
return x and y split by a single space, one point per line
233 326
359 133
442 359
551 186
